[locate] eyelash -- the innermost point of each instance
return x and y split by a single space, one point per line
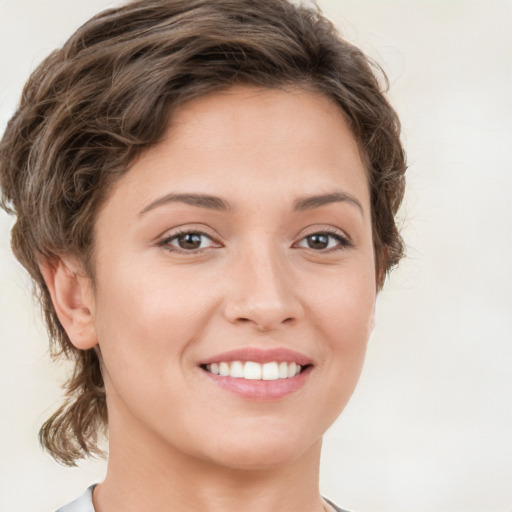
342 241
166 242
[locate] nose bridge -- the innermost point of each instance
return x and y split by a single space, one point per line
262 291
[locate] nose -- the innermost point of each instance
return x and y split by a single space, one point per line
262 292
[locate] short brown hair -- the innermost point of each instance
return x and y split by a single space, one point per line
107 95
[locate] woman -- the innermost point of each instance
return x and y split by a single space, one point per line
205 196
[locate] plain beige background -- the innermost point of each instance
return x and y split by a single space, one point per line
429 427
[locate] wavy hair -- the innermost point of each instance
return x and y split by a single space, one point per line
93 105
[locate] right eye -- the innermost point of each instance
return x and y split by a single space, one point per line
188 241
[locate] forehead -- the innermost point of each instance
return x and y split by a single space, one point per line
246 139
305 114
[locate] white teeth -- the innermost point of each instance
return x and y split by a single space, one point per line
237 370
224 369
292 367
255 371
252 371
270 371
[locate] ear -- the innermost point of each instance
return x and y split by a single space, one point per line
73 299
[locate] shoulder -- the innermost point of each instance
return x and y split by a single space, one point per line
81 504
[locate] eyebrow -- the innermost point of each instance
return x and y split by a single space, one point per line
219 204
310 202
200 200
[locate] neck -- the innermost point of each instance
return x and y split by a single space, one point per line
145 473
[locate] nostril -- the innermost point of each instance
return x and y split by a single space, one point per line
263 325
263 314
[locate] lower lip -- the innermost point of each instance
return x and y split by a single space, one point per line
261 389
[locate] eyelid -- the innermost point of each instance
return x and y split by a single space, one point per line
172 234
345 242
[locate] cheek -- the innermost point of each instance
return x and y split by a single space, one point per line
345 318
346 308
143 319
343 315
145 325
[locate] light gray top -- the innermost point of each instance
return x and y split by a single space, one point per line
81 504
84 503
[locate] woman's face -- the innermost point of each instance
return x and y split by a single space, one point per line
240 244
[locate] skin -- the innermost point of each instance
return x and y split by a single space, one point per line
177 440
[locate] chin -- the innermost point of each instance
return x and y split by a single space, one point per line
263 450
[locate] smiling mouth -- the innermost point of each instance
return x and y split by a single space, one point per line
251 370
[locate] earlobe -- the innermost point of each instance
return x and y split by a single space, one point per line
72 299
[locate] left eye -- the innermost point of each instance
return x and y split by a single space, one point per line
189 241
323 241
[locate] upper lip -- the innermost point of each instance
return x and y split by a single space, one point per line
260 355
